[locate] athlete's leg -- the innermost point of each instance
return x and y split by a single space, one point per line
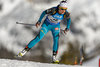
55 33
41 34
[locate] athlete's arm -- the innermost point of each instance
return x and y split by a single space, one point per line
42 15
68 22
48 11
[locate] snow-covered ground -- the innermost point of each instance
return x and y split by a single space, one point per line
16 63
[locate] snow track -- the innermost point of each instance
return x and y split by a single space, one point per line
17 63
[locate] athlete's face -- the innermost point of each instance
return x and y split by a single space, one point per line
62 10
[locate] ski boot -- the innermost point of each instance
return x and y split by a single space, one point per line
23 52
54 59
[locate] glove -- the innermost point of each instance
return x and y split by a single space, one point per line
37 24
66 30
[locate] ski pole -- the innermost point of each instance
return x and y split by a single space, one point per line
25 24
61 30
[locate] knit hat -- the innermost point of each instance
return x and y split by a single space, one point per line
63 4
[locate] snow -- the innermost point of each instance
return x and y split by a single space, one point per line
16 63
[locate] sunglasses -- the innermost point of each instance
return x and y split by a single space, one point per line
63 8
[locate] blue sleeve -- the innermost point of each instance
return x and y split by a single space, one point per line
41 17
48 11
68 23
68 20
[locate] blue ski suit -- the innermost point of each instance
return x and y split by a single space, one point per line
51 23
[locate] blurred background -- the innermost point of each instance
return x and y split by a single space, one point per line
84 32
